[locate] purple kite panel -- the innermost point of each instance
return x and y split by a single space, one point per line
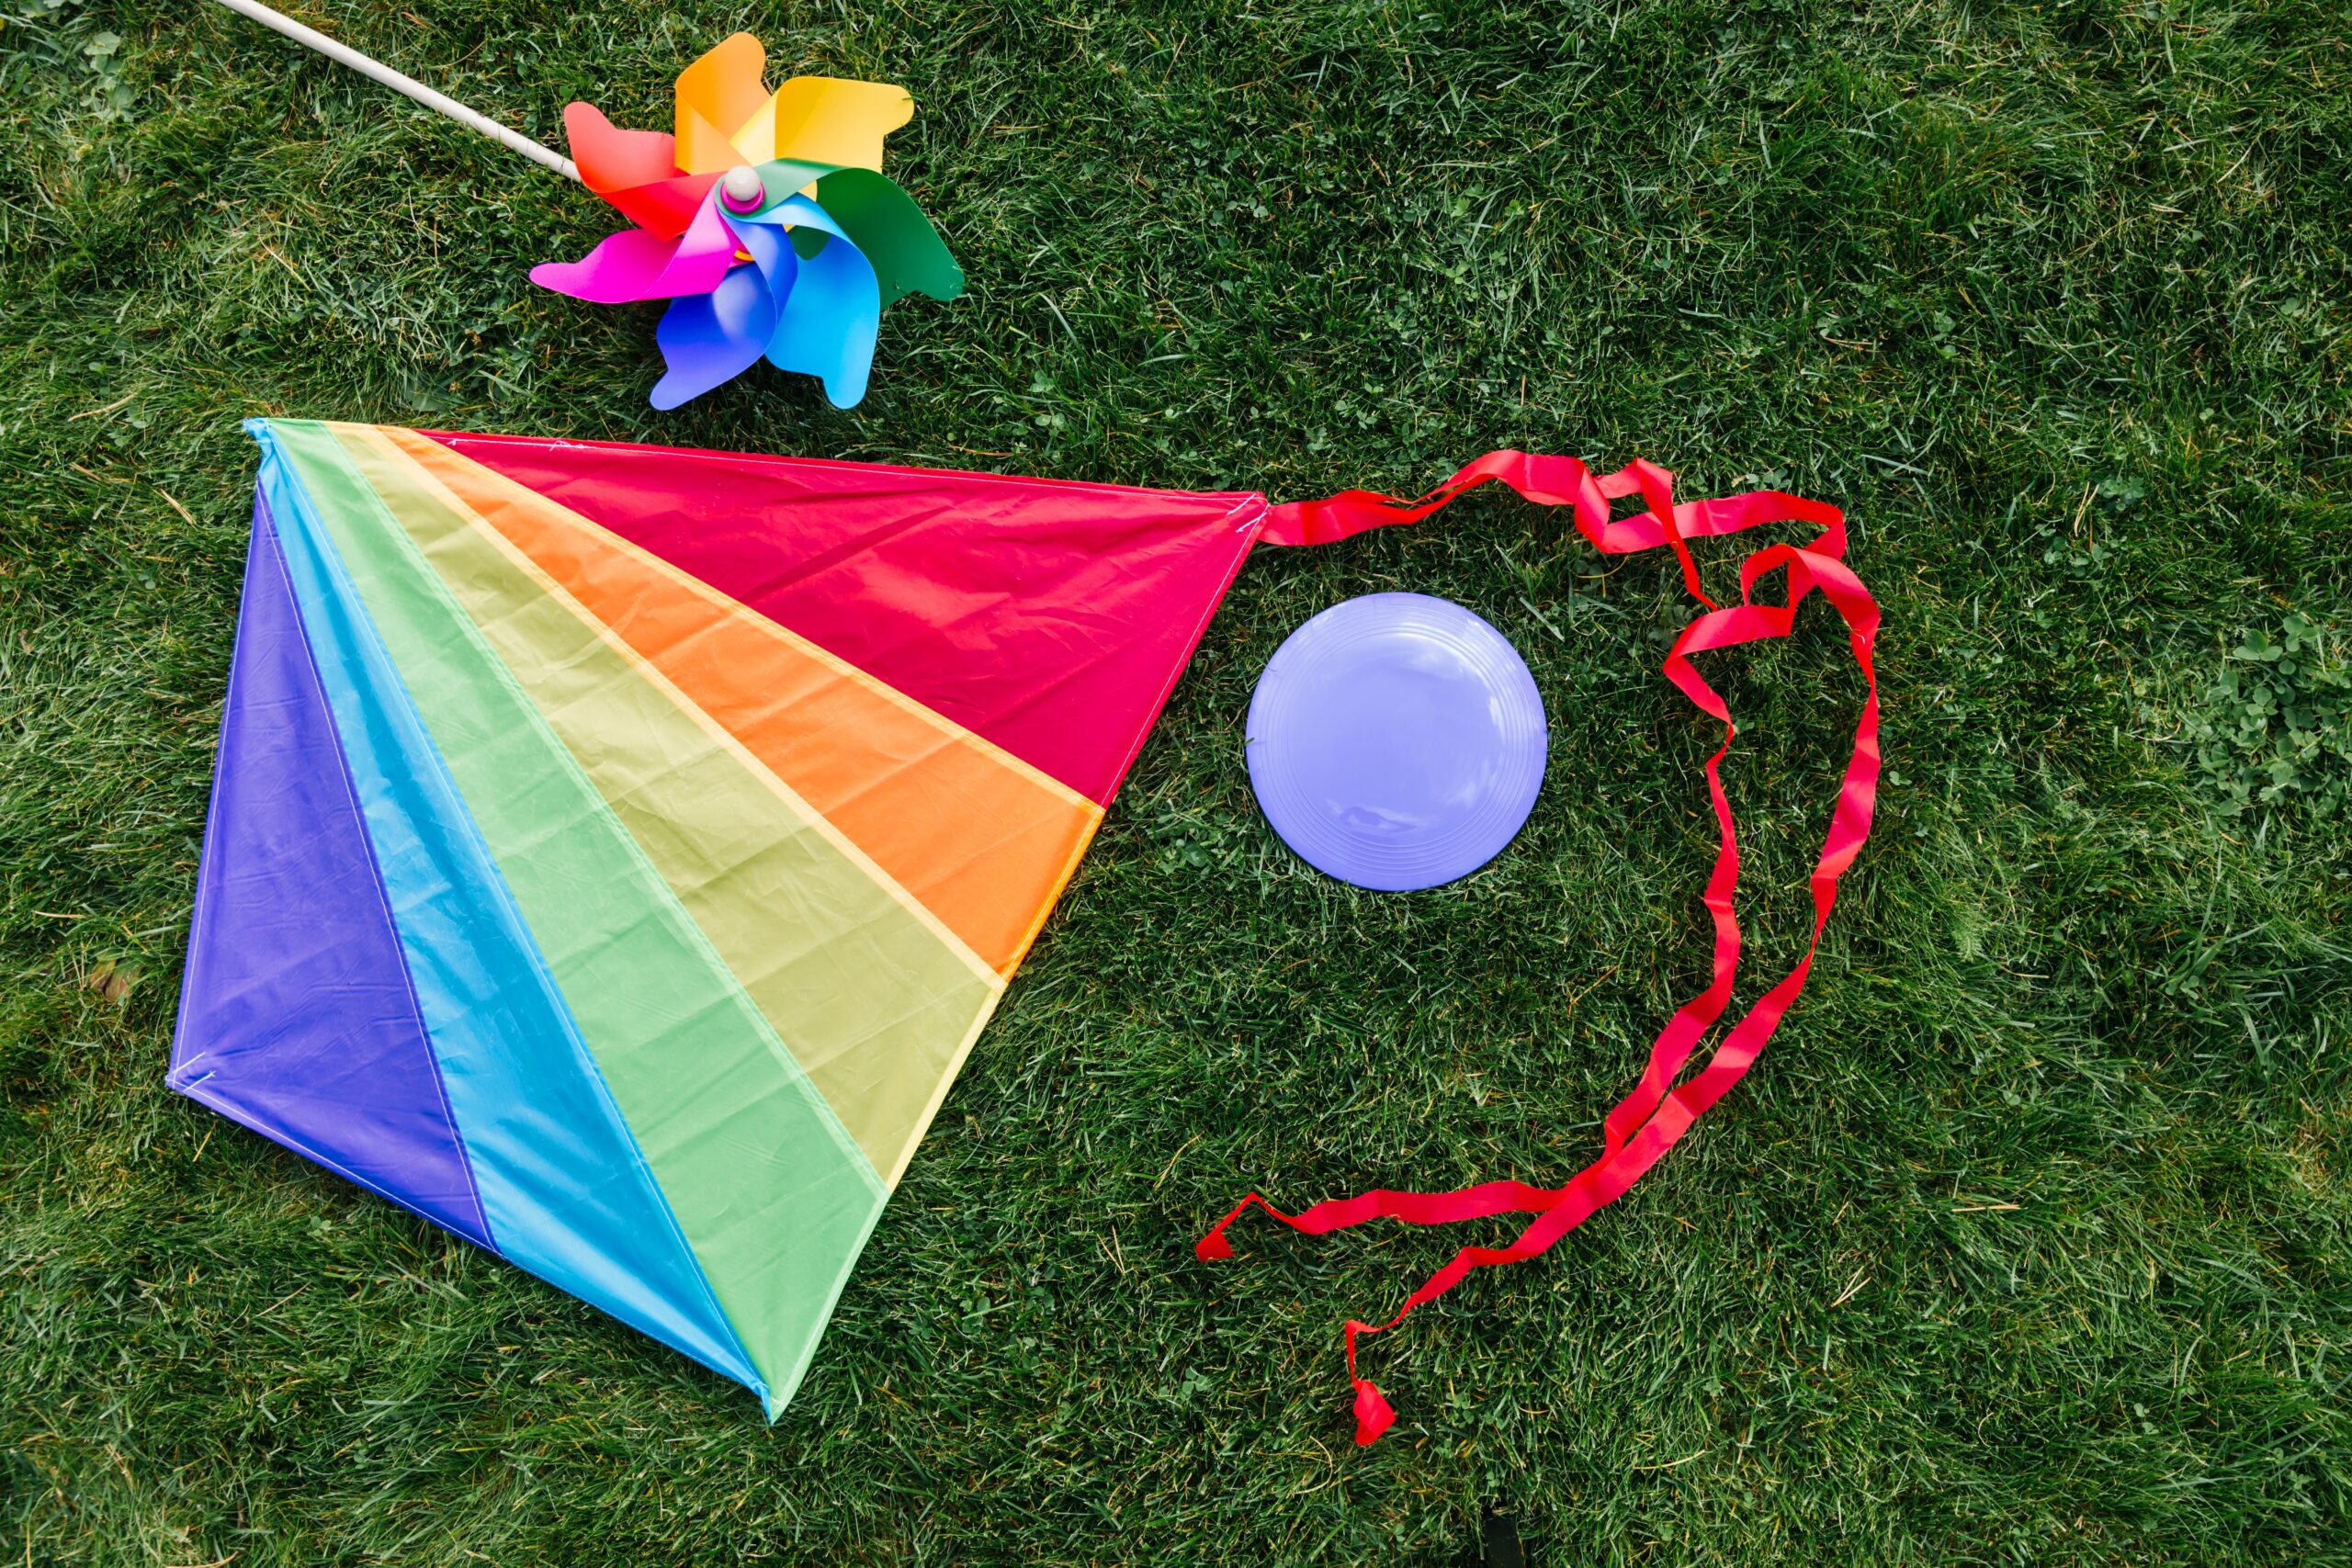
296 1017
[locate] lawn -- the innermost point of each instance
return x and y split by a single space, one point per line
2030 1240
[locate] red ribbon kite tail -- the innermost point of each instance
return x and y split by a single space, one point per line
1650 1119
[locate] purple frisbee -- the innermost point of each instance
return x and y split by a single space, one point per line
1397 742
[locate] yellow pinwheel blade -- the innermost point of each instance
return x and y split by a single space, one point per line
756 141
827 119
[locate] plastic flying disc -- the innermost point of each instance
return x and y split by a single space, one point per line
1397 742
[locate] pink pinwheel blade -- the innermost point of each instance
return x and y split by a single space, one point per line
634 264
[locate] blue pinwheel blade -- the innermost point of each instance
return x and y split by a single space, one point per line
825 326
709 339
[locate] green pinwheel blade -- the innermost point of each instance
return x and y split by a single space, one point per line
782 176
907 255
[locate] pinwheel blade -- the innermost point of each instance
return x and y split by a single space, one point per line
612 158
712 338
635 170
827 323
635 265
826 119
882 220
717 95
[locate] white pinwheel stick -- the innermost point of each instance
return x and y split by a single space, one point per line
406 86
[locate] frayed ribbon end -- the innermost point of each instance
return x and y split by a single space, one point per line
1372 1414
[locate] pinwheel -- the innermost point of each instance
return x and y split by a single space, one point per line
763 218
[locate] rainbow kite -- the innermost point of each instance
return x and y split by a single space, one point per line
615 850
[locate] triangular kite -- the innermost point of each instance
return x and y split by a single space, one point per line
615 850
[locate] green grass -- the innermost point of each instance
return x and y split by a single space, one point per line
2028 1241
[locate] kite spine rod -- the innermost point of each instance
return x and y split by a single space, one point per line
407 87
